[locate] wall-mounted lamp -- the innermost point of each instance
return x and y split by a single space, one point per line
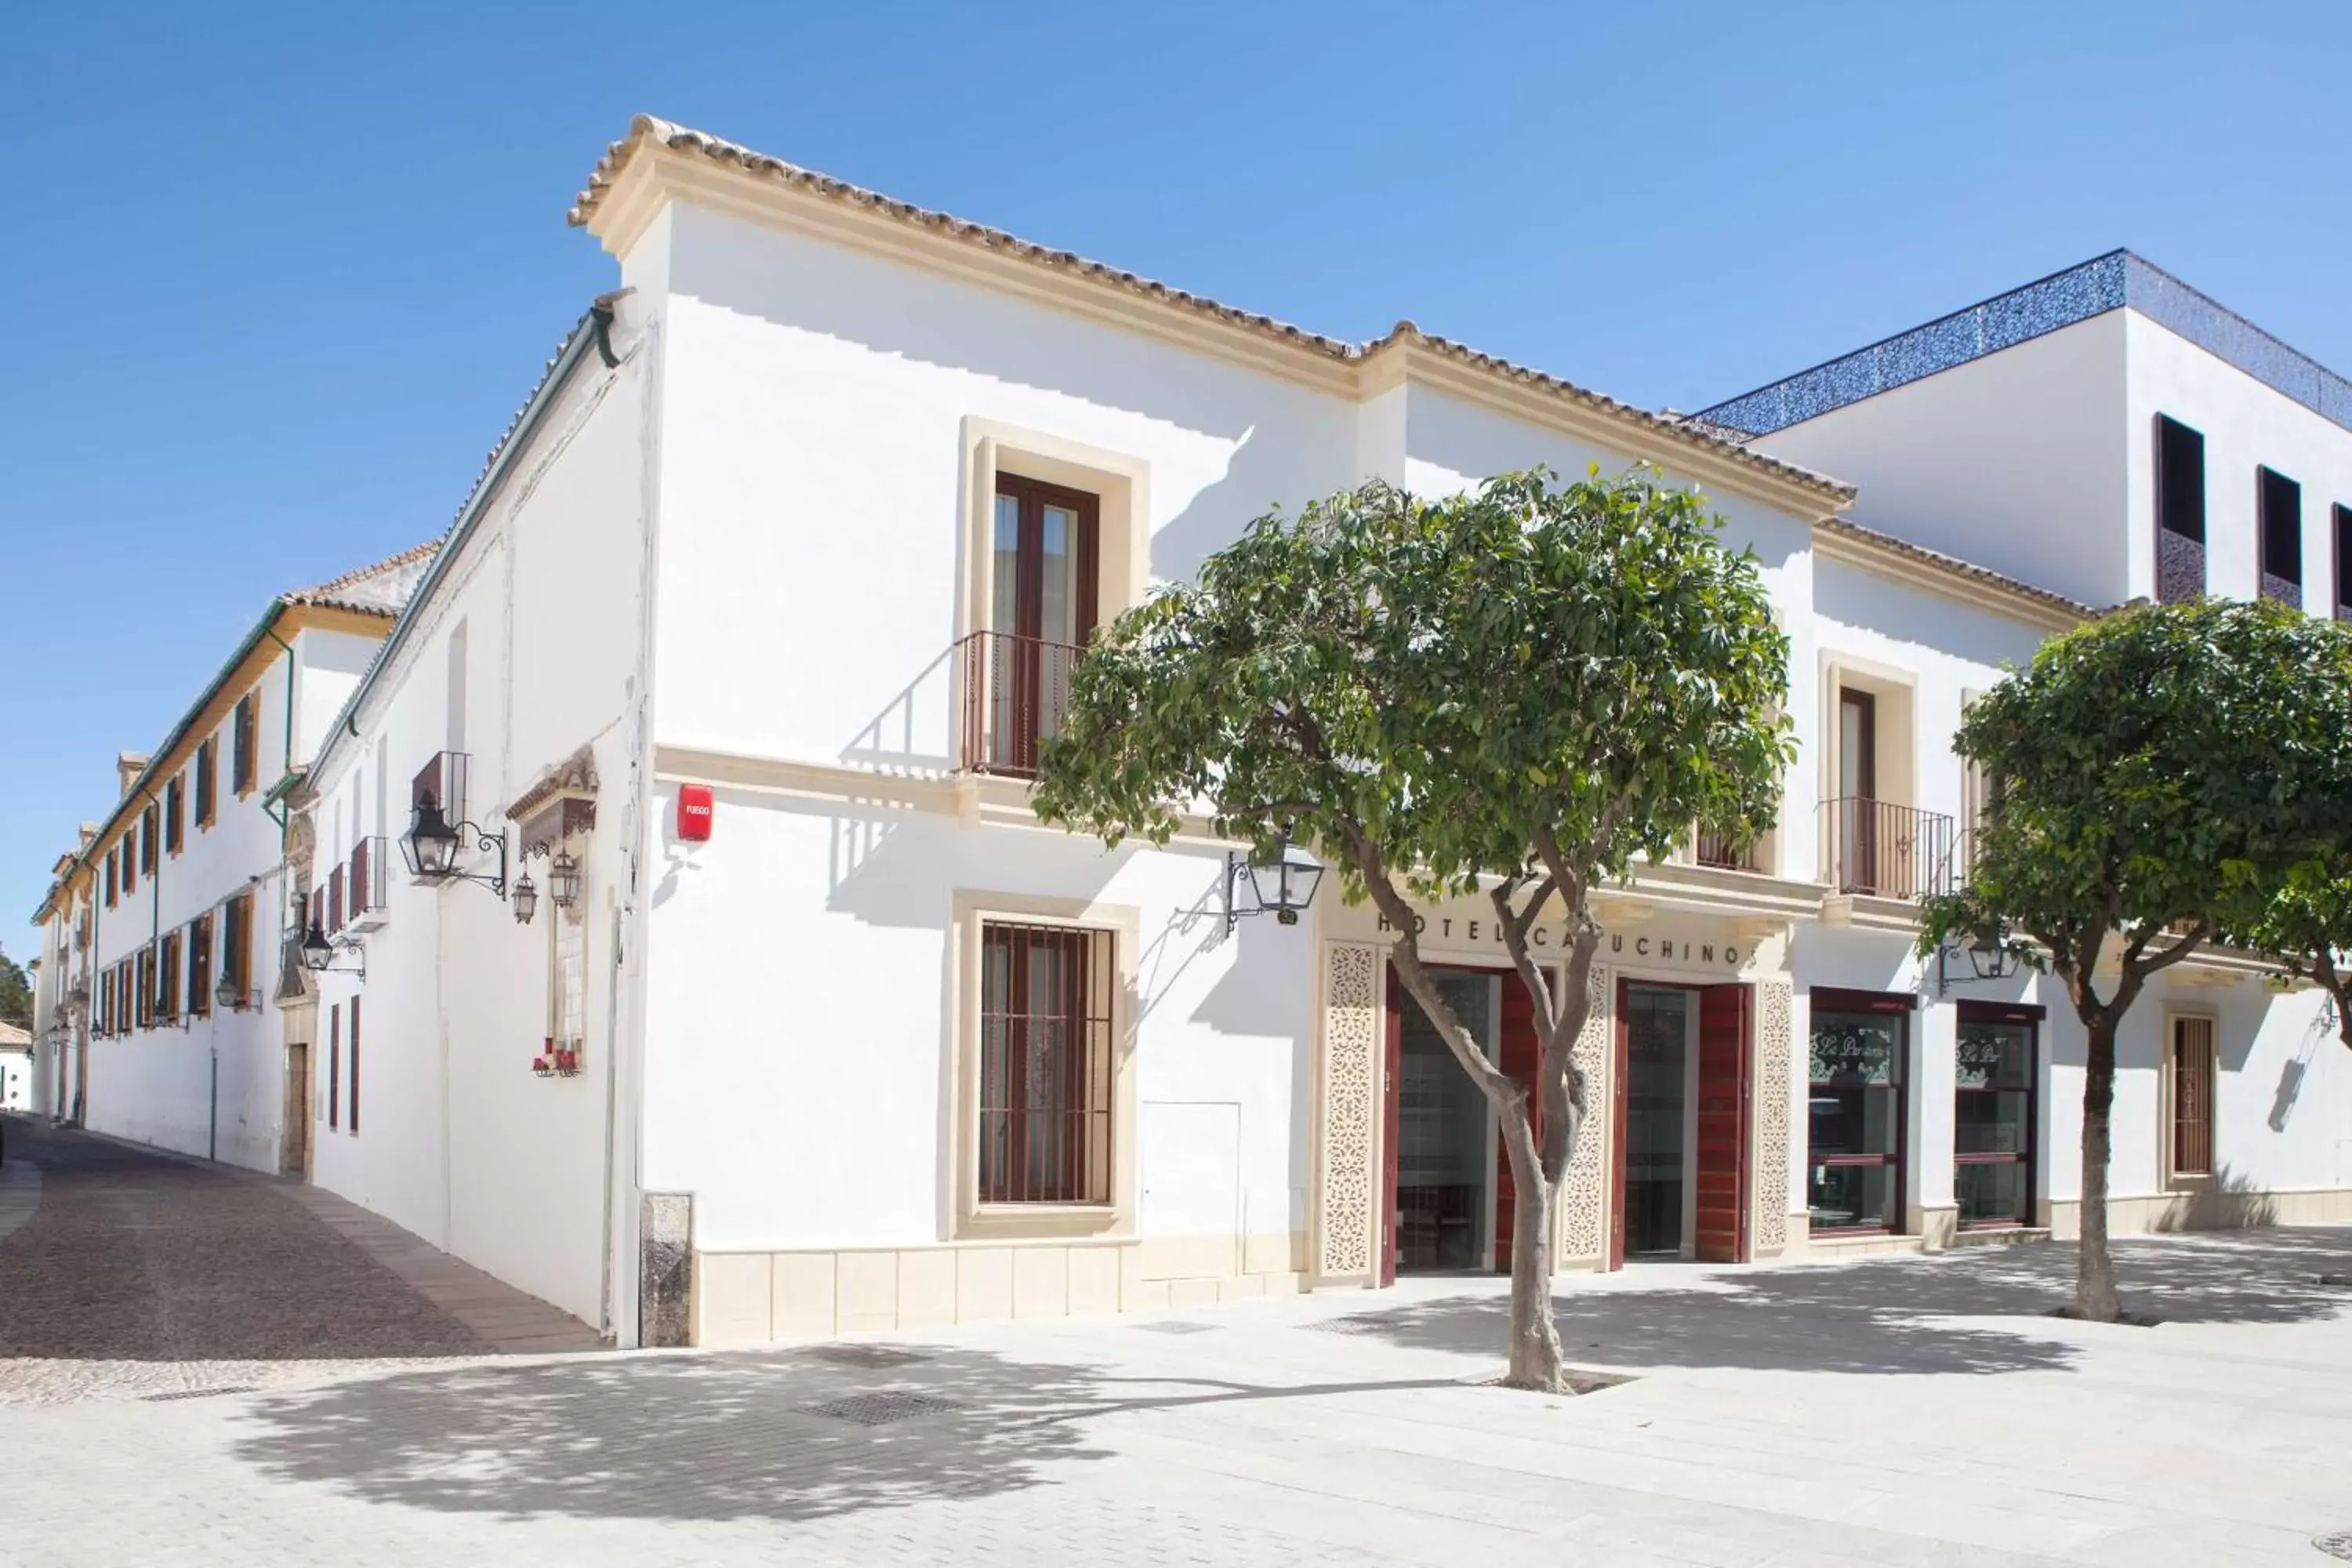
319 954
563 880
432 842
1285 884
1998 962
525 898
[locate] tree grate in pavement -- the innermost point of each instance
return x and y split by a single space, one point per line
1177 1326
868 1355
201 1393
1579 1381
882 1409
1358 1323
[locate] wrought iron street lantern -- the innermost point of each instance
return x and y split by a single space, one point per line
230 994
319 952
432 843
563 880
1284 885
525 898
1995 960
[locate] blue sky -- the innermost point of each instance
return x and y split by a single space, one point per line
275 277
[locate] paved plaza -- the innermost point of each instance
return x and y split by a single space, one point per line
1920 1411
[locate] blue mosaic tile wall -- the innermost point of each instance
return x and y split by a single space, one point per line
2106 283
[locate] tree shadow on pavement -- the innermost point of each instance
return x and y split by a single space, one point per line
1897 1315
739 1434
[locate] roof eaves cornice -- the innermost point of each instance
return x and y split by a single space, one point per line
618 199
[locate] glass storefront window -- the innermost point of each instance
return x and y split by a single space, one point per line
1992 1121
1858 1056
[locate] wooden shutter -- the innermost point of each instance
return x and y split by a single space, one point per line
207 781
355 1066
334 1067
241 736
1722 1091
2192 1097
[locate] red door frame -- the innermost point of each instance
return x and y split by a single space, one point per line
1743 1198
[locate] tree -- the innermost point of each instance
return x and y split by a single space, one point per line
2306 927
2152 776
15 994
1523 689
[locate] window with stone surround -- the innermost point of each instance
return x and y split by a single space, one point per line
1045 1069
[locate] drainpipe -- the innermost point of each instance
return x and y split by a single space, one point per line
284 816
276 810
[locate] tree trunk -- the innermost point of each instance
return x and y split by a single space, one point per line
2095 1270
1535 1343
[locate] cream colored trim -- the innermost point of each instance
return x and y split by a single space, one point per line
752 1296
1555 408
1120 483
1953 583
2205 1207
655 174
651 172
969 1217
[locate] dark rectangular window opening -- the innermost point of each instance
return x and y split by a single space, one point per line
2344 562
2280 505
2180 511
334 1067
1859 1059
1046 1063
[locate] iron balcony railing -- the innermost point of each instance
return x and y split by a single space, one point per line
1015 692
1888 851
1720 852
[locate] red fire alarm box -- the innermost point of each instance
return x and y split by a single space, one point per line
694 813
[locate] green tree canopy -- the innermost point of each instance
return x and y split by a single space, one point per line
2152 778
15 994
1522 690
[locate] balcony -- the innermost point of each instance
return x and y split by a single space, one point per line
363 877
443 780
1878 849
1016 690
1720 853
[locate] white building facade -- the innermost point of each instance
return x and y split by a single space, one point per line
2110 433
159 1005
737 658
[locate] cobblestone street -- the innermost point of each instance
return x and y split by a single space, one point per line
317 1405
124 1271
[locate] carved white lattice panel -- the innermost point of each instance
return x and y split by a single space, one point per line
1350 1204
1584 1189
1774 1047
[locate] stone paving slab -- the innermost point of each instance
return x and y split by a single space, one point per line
1910 1412
135 1274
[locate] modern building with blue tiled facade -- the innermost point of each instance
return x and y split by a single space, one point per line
2108 432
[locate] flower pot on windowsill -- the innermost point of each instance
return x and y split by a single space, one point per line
542 1067
567 1063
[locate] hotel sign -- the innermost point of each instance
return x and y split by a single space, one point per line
1456 930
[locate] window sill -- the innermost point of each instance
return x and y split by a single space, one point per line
1014 1222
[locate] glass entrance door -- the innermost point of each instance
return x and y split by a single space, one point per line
1040 615
1661 1034
1444 1159
1992 1123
